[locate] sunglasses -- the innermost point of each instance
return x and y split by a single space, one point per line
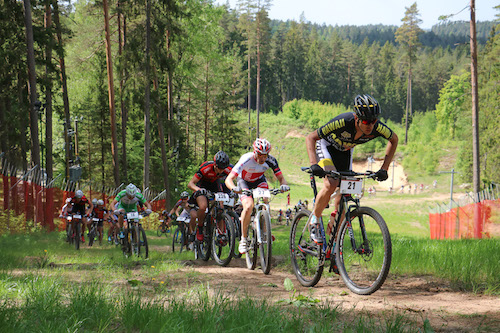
259 154
368 122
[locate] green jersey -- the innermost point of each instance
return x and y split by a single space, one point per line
130 205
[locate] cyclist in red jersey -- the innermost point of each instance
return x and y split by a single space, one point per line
79 202
206 179
102 213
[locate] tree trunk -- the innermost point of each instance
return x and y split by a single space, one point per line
170 104
123 75
48 95
111 94
64 84
35 143
475 104
147 100
205 156
257 102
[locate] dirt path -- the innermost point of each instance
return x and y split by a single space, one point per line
418 297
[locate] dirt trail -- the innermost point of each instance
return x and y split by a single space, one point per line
419 297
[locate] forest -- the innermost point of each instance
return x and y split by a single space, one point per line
145 91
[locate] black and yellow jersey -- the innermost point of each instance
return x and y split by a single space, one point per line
340 132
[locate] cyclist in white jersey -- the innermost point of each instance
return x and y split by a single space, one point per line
249 172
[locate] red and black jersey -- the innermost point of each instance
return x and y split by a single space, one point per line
206 172
100 212
80 206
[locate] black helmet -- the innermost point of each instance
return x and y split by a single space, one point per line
221 160
366 107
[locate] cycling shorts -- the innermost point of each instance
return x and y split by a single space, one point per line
326 154
244 185
127 208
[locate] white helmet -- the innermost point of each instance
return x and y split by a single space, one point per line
100 202
79 194
261 146
94 201
131 190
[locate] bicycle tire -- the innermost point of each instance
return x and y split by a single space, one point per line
178 239
364 271
159 231
237 233
265 245
304 253
77 235
69 234
204 246
143 247
223 241
126 245
251 255
91 236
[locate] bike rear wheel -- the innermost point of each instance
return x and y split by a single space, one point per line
251 255
304 252
364 262
178 240
223 240
265 245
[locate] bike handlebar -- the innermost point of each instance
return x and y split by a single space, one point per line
339 174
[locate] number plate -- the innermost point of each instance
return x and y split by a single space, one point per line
221 197
351 186
69 218
132 215
182 219
230 203
261 193
161 221
77 216
95 219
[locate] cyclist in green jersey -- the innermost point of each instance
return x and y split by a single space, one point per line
126 201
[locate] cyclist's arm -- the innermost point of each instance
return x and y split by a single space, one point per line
230 181
311 147
113 204
389 151
281 178
192 184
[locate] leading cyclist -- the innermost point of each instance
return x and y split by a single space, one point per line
249 172
330 148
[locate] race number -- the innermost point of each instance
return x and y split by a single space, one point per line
132 215
95 219
221 197
77 216
261 193
351 186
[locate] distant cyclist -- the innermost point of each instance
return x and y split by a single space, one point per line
102 213
80 202
126 201
330 148
249 174
207 179
183 204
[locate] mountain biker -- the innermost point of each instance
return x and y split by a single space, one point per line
249 174
65 211
207 179
183 204
288 215
280 216
79 202
126 201
102 213
330 148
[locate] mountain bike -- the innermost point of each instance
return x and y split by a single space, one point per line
94 231
229 208
259 230
360 240
135 241
218 231
180 235
163 228
74 229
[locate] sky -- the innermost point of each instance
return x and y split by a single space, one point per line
363 12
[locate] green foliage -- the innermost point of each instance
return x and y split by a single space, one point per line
313 114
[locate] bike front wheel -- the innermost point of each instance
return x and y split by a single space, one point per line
364 256
251 255
178 240
204 247
266 241
142 246
223 240
77 235
304 252
159 231
237 233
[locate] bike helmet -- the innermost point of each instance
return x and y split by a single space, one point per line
221 160
164 212
185 194
79 194
366 107
94 201
261 146
131 190
100 202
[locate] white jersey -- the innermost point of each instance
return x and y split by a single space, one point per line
249 170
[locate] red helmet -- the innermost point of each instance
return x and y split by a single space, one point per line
261 146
